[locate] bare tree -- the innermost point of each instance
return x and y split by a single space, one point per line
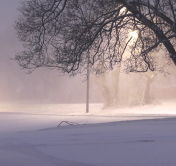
108 84
59 33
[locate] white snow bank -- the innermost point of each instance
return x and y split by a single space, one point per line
16 117
132 143
165 107
29 135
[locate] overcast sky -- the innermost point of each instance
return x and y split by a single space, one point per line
8 13
15 84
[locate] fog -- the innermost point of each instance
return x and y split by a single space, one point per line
44 85
33 105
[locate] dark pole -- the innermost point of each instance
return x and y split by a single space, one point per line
87 95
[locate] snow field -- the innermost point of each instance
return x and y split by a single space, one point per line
114 138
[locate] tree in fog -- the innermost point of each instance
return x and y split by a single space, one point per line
59 33
135 89
108 84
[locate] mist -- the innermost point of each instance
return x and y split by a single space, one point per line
45 85
42 85
43 120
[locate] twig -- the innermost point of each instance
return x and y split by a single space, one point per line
70 123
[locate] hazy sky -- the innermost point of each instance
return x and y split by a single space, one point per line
42 83
15 83
8 13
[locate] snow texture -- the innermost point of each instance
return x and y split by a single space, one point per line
141 136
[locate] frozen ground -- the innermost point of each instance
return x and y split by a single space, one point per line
141 136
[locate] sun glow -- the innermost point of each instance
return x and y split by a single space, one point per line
132 37
122 10
133 34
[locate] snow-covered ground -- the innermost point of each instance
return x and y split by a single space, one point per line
139 136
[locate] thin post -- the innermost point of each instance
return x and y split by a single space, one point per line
87 93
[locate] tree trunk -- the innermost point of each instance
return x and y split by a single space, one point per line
147 98
115 91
